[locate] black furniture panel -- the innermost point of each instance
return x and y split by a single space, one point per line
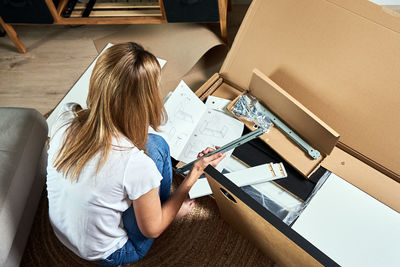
191 10
25 11
257 152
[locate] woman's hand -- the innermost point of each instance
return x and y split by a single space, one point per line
200 165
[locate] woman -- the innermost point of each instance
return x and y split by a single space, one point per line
108 180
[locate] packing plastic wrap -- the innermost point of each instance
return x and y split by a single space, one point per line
248 107
287 213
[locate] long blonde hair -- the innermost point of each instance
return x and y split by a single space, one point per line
123 99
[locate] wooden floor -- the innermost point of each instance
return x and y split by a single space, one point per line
56 57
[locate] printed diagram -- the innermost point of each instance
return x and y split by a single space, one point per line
171 133
181 114
180 139
175 139
206 128
191 126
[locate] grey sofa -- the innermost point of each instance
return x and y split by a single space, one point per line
23 157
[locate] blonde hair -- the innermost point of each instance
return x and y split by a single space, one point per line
123 99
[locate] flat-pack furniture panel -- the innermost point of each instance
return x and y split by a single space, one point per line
364 177
191 10
25 11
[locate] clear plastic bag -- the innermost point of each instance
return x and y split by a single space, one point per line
287 213
248 107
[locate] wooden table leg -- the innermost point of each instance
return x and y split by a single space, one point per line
13 36
222 6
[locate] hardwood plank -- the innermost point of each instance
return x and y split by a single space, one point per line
111 20
61 6
118 13
13 36
161 4
121 5
222 7
53 9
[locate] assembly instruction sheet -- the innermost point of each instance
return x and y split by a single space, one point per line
191 126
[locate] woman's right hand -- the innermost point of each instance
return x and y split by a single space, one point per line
200 165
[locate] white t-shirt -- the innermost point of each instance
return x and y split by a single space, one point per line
87 215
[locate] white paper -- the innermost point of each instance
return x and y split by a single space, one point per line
192 127
214 129
162 62
79 91
350 226
218 103
184 111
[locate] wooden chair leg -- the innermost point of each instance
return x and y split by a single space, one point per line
222 6
13 36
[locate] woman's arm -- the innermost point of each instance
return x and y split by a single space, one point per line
152 217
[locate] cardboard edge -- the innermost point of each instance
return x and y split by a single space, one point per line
211 84
376 13
313 256
369 162
363 176
324 129
239 36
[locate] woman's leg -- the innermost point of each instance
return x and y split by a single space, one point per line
158 151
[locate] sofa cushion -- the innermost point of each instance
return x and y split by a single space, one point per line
23 133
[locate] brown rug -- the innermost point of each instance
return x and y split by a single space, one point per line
200 239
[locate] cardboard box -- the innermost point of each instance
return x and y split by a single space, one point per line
341 60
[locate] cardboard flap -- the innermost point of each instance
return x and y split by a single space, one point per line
340 59
298 117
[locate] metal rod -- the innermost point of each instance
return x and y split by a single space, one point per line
235 143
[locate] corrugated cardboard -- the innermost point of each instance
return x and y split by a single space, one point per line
346 165
251 225
342 65
341 60
298 118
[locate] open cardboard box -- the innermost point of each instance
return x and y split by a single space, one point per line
341 60
313 130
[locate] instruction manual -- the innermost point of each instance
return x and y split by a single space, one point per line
192 126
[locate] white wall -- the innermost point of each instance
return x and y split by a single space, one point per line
379 2
386 2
